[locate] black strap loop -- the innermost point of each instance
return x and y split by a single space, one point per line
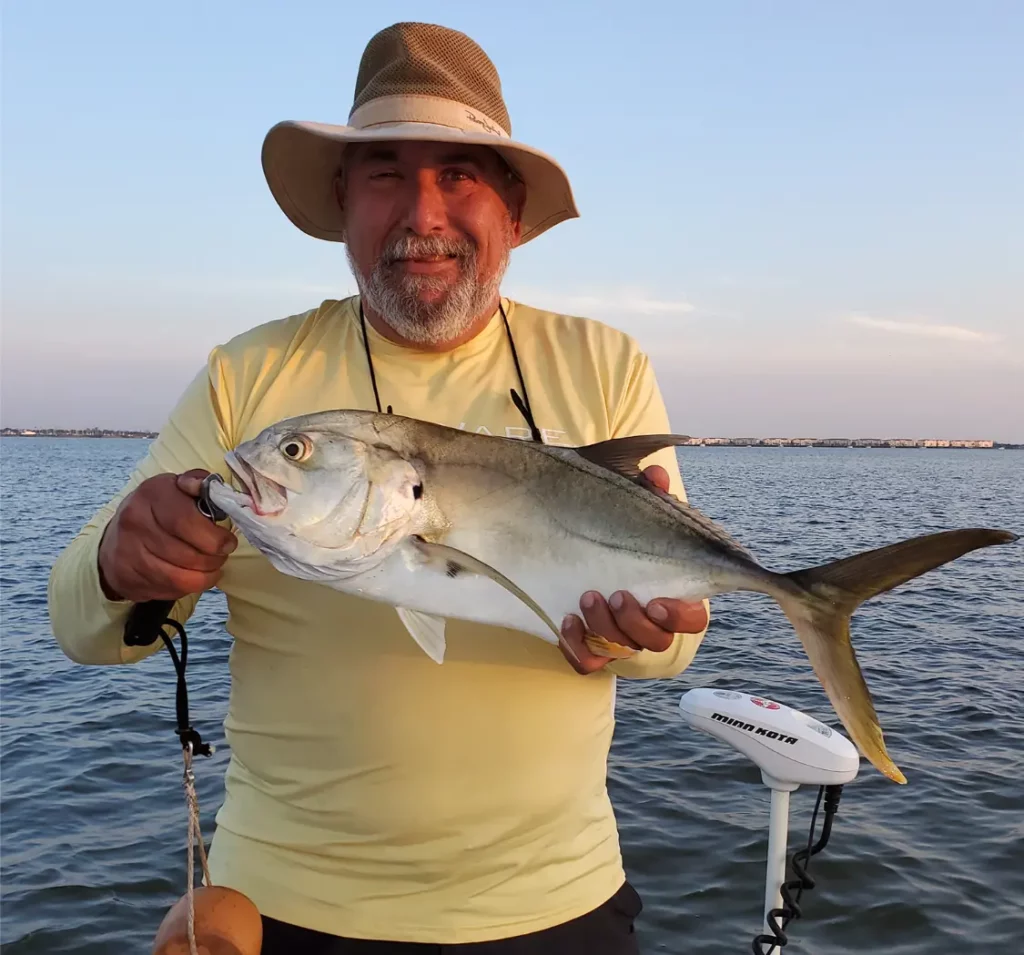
144 626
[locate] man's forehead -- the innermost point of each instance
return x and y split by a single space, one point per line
421 152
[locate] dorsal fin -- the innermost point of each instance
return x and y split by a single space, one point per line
623 455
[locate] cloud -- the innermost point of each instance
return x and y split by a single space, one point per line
609 301
922 329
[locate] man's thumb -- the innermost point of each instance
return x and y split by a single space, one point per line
191 482
657 476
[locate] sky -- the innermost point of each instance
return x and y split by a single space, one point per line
810 215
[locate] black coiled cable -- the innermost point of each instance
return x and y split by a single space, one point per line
800 861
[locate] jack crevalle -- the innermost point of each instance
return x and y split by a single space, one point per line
441 523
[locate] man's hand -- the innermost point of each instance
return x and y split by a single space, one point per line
622 620
158 546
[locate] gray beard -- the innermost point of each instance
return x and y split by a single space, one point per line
396 299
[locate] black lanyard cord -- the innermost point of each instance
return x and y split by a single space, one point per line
369 360
521 403
145 625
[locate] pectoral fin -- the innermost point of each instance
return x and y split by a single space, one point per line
451 558
426 630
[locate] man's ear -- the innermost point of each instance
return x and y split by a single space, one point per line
338 186
515 199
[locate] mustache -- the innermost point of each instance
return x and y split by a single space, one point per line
417 246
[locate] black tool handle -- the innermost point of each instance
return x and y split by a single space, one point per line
145 621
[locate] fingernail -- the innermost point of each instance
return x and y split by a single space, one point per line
589 599
566 622
617 600
657 613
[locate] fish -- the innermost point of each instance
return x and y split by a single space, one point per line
442 523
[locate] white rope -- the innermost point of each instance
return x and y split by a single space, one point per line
195 835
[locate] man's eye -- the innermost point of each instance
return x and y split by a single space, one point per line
457 175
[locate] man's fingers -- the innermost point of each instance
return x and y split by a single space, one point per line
573 632
623 621
171 581
181 553
597 619
600 620
677 616
151 578
191 482
631 620
184 521
159 545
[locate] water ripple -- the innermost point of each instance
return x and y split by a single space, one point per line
934 866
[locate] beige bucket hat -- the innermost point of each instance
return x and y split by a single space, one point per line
416 81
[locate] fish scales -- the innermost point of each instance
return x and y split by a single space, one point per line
443 523
568 483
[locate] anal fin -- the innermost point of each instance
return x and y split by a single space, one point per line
427 630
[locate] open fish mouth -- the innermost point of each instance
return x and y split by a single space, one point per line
262 495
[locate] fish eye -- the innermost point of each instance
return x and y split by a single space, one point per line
296 447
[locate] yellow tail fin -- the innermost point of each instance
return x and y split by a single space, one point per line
824 598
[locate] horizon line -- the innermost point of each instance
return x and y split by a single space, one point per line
692 440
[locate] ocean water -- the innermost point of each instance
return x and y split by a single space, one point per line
93 823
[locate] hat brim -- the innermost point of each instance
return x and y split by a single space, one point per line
301 161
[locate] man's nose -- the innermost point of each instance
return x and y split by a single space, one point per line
426 208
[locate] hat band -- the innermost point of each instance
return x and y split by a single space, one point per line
423 109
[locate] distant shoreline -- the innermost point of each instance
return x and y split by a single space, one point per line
954 444
859 443
69 433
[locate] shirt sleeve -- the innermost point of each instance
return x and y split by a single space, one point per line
87 625
641 410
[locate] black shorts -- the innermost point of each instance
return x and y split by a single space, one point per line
607 930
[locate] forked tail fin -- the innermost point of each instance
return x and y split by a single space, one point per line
824 598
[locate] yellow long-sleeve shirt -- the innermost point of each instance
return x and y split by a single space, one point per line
371 792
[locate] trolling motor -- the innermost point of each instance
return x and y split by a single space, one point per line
792 749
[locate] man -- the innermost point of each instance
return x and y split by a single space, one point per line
373 798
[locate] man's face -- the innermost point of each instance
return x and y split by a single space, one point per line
428 232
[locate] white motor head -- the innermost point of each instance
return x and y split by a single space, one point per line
790 747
